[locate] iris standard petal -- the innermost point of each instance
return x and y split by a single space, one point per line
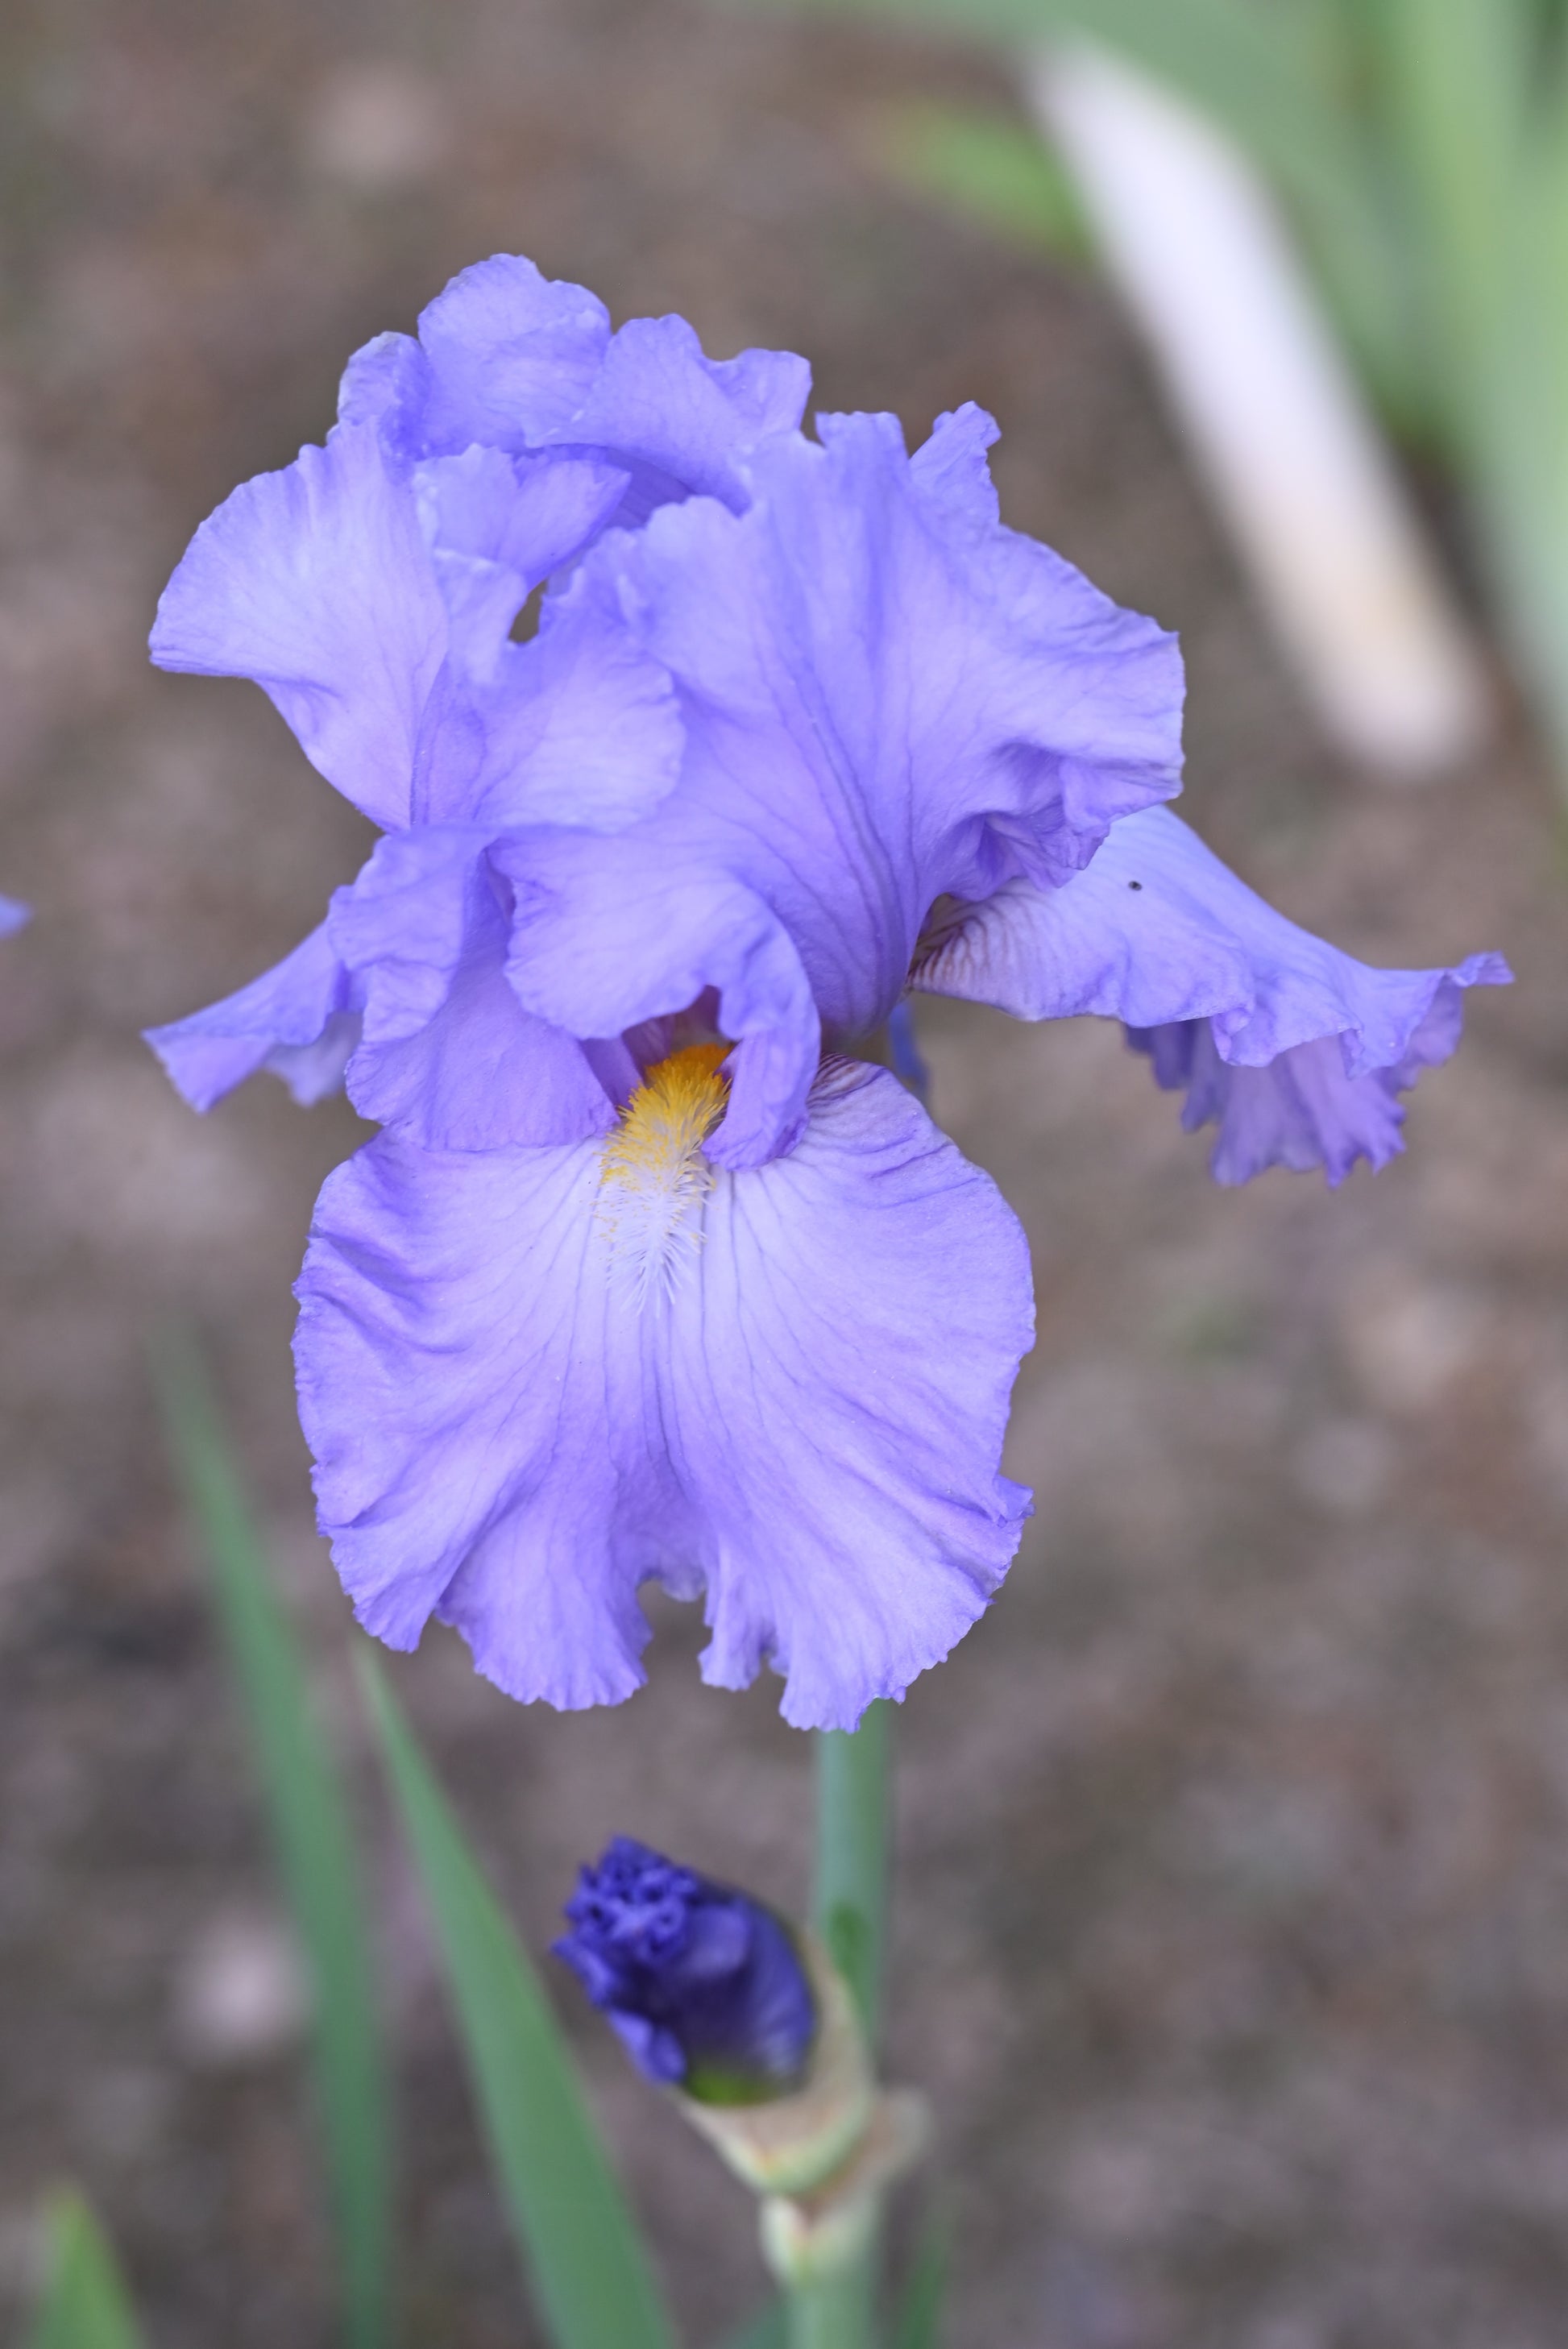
511 355
579 726
951 473
316 582
513 361
604 939
691 421
300 1019
386 384
807 1422
1298 1049
871 718
498 526
449 1059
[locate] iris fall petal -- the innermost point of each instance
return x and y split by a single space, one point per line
1296 1050
808 1425
301 1019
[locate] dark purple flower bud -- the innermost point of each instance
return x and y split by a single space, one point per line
705 1985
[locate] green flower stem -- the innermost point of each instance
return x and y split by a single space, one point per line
853 1821
835 2311
849 1912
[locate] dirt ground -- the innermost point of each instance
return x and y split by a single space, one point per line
1233 1932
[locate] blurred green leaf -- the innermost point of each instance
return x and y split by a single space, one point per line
1263 73
1420 148
993 172
84 2303
1259 69
1456 76
1475 104
585 2254
918 2325
308 1816
768 2329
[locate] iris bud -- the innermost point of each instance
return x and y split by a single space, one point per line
755 2033
705 1985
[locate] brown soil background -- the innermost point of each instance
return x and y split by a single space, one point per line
1232 1935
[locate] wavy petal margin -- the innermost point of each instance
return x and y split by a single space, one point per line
1296 1050
809 1428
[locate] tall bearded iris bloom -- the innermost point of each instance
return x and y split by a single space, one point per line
647 1275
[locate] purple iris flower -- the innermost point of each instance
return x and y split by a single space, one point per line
704 1984
648 1276
13 916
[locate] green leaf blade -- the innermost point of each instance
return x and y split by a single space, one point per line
308 1817
592 2274
84 2304
918 2325
994 174
1264 76
768 2329
1457 85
